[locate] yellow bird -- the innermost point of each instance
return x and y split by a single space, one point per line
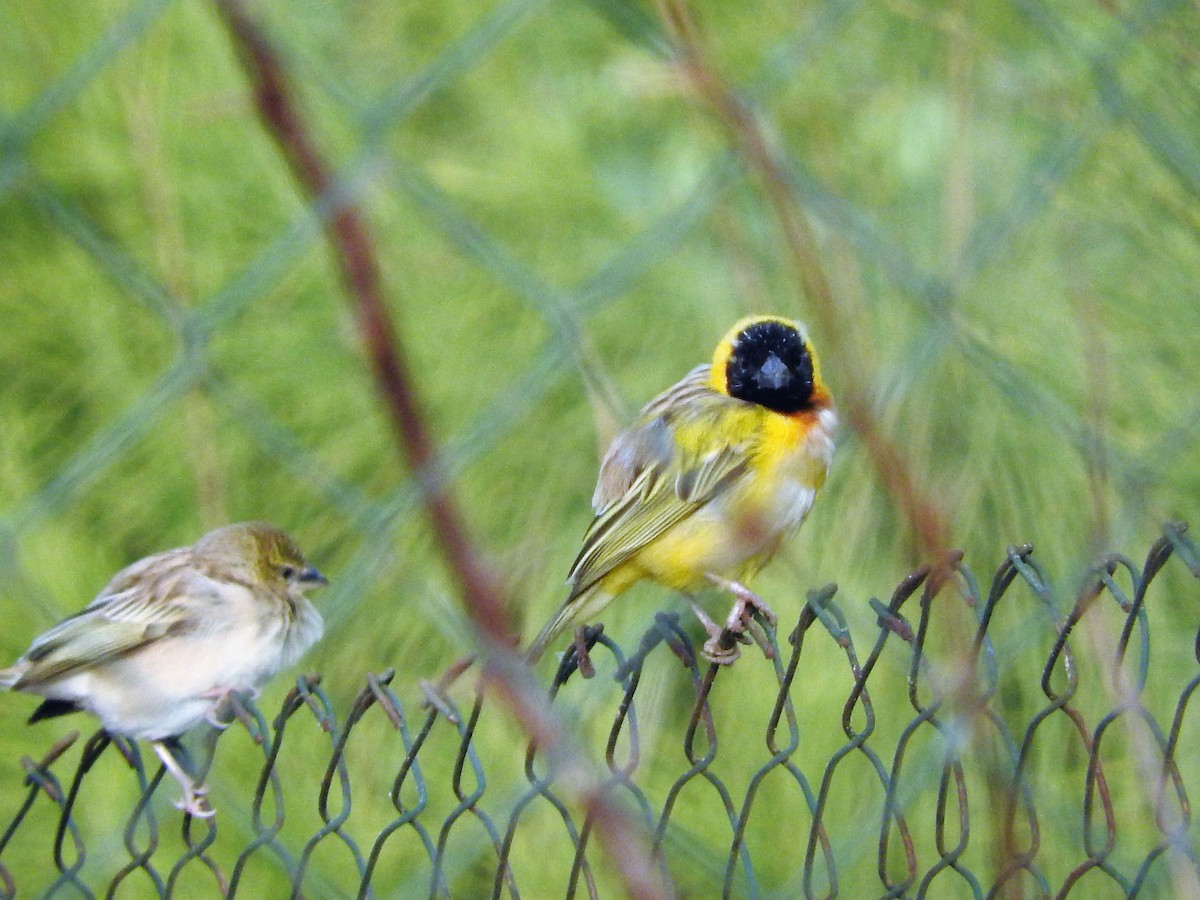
709 480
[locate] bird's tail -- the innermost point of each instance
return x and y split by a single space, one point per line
577 608
10 676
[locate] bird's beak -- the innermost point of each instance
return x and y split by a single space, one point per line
311 576
773 374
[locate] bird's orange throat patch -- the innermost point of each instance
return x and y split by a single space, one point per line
801 442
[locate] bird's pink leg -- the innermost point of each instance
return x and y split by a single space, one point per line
741 616
746 602
718 648
194 802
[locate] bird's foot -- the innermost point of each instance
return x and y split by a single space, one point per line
746 605
722 648
194 801
722 644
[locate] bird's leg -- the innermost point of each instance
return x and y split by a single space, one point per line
741 616
721 646
746 603
194 802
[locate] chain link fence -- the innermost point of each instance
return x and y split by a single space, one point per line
1013 741
957 800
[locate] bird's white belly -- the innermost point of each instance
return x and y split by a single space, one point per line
167 687
791 504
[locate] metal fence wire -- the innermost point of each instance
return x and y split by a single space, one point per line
975 821
1016 741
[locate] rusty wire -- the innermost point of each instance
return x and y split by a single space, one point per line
1019 816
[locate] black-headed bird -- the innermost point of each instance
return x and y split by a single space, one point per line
708 482
172 635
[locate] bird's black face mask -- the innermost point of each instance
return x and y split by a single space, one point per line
771 365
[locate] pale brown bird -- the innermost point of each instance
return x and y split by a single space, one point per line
171 636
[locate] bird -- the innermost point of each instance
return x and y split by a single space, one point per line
710 479
171 636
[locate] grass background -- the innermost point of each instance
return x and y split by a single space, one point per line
1007 198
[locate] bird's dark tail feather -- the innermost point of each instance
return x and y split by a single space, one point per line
52 709
578 609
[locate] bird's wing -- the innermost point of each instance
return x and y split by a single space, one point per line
149 600
648 443
155 575
662 479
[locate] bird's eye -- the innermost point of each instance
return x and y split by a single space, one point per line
288 572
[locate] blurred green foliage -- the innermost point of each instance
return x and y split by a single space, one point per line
1007 197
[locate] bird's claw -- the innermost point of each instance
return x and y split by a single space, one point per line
211 718
745 604
195 803
741 619
722 647
760 637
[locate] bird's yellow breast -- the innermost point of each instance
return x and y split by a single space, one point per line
738 532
